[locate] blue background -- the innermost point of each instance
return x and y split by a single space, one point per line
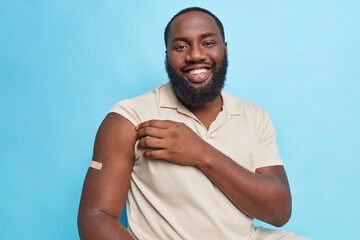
63 64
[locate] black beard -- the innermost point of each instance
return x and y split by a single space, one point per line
196 97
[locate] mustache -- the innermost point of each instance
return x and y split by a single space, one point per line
213 65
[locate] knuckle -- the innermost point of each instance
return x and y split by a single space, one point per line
146 142
172 144
172 134
146 131
140 133
179 125
149 142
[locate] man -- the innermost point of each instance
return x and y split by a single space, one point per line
192 161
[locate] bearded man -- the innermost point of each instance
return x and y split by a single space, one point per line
190 160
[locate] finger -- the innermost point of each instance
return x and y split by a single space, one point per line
156 154
151 132
150 143
155 123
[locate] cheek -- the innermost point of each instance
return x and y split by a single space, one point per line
176 61
216 56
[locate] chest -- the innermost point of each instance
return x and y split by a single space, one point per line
232 135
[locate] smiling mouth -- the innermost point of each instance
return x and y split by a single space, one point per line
198 71
198 75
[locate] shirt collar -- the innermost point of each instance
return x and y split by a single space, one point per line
168 99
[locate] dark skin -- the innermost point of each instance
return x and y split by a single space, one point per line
104 191
265 194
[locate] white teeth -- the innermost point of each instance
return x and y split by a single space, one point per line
198 71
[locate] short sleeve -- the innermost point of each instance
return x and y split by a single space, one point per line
268 154
129 110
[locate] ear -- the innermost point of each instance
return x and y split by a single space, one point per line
225 48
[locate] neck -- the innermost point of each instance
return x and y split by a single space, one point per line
208 112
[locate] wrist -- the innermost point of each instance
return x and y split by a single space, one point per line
206 157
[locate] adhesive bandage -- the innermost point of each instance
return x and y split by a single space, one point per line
96 165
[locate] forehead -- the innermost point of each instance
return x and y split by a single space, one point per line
193 24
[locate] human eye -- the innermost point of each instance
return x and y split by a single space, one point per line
209 43
180 47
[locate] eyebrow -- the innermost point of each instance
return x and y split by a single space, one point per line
203 35
209 34
183 39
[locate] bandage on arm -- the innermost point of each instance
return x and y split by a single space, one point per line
105 191
96 165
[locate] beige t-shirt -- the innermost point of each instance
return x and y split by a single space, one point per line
171 201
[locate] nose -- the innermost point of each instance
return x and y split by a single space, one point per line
196 54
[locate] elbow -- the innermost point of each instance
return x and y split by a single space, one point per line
86 220
81 226
282 212
282 220
283 215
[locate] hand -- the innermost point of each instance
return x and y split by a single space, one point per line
171 141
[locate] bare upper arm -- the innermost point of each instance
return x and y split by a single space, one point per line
105 190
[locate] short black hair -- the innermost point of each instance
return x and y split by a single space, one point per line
190 9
